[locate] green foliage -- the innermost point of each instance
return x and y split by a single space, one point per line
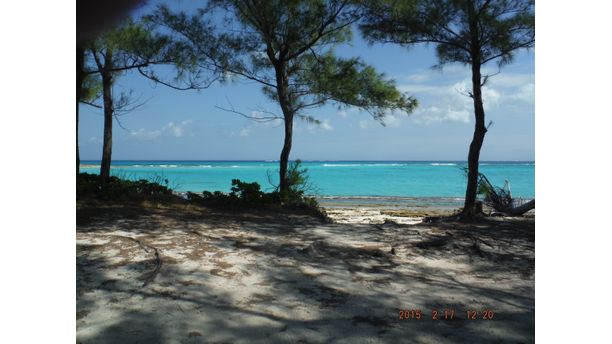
484 189
91 88
247 192
243 195
352 82
294 38
90 185
494 196
472 31
249 195
298 184
140 45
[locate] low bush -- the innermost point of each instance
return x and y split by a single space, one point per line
90 185
243 194
249 195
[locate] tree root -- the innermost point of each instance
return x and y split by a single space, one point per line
150 276
476 239
147 277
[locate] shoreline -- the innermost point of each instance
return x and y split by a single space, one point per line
376 210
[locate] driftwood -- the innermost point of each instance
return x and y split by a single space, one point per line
522 209
501 199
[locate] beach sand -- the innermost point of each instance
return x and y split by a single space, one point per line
180 274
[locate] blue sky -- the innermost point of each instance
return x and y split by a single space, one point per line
185 125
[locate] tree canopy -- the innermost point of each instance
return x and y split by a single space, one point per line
257 37
133 46
463 31
141 46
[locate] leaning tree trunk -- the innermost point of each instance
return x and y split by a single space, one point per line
470 208
108 127
80 60
522 209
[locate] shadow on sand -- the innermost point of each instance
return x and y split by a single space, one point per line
275 278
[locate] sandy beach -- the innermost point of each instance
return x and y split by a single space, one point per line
181 274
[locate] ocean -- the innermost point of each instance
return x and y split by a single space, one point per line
400 183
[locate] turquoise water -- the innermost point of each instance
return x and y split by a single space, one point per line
369 180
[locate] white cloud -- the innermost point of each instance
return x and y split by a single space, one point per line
170 129
364 124
490 98
392 120
326 126
446 103
511 80
95 139
525 93
417 77
342 113
444 98
434 114
143 134
418 88
177 130
244 132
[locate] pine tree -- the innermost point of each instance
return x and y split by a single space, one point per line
287 47
135 46
471 32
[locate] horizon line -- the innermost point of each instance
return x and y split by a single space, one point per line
304 160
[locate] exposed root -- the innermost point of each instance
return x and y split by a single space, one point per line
435 242
150 276
476 239
196 233
142 246
147 277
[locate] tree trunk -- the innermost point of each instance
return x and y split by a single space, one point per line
80 60
285 102
469 207
522 209
107 84
284 157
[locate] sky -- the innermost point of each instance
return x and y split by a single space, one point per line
187 125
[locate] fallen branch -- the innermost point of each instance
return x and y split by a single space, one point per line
520 210
158 264
150 276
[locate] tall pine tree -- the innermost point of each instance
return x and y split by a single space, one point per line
287 47
139 47
471 32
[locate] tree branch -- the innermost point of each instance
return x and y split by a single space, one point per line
91 104
271 118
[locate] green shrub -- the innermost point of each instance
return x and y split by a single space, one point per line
247 192
242 194
90 185
298 184
208 198
249 195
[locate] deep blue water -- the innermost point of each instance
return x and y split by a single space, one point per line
419 179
